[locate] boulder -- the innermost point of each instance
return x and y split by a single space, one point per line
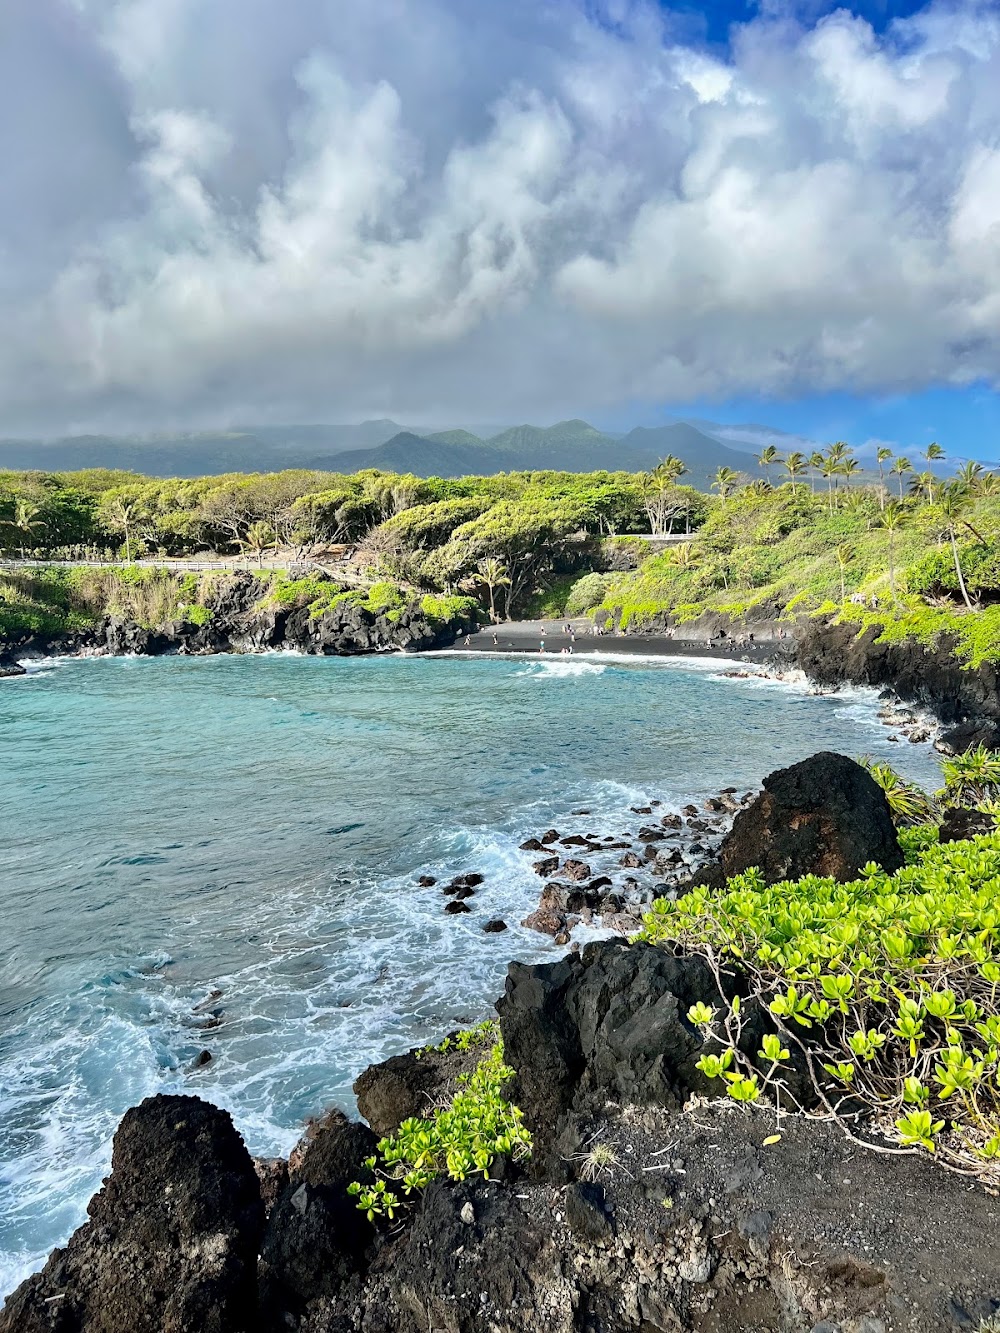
10 667
456 907
172 1240
960 823
610 1024
494 927
549 917
823 816
316 1236
547 866
577 871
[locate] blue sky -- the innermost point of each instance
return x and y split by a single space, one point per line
442 210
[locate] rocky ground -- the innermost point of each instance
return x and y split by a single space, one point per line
644 1207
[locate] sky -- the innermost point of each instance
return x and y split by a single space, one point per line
230 211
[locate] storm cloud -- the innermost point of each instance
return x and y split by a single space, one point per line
229 210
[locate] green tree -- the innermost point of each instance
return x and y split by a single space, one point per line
882 455
795 464
120 516
766 457
260 537
493 574
892 519
725 482
901 466
953 502
26 521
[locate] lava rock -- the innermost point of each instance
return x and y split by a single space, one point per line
456 907
10 667
547 866
959 824
494 927
823 816
426 881
577 871
316 1237
531 845
173 1236
631 861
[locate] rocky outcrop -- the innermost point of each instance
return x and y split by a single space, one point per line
823 816
9 666
173 1238
243 618
316 1239
610 1024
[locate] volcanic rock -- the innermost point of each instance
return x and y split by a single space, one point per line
823 816
173 1238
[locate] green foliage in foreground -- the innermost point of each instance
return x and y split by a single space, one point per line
479 1125
889 986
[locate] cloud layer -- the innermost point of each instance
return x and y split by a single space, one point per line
430 208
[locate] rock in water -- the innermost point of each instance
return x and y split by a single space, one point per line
173 1238
10 667
823 816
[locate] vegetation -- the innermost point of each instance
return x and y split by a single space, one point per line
479 1125
909 555
884 991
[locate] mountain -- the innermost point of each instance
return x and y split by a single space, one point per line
569 446
197 453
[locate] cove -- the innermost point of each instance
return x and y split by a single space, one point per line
254 826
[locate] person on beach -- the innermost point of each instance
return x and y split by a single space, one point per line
541 646
494 638
468 641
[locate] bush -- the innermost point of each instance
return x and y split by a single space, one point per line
459 1140
586 593
888 986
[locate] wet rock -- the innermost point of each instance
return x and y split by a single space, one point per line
426 881
576 871
531 845
9 667
576 841
823 816
172 1240
456 907
462 893
202 1059
551 836
641 809
714 805
651 834
494 927
671 821
631 861
690 810
316 1237
581 812
547 866
549 917
601 882
470 881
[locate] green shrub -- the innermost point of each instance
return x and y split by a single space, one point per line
457 1141
586 593
889 984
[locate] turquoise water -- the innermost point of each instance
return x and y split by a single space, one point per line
176 826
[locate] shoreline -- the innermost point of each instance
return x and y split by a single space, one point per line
527 637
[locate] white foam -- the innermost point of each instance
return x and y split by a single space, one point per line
561 668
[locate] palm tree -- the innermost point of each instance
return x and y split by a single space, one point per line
922 484
844 554
725 482
900 466
882 455
671 468
970 475
493 573
817 463
850 467
260 538
766 457
892 518
954 499
795 464
120 518
26 521
933 453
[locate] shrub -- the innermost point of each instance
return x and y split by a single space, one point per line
586 593
888 986
457 1141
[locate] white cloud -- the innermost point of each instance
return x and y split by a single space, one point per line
428 209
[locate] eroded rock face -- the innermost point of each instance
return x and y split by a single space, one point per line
172 1243
823 816
10 667
610 1024
316 1237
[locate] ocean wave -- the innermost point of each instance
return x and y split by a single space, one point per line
562 668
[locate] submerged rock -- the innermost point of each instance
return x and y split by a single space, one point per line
172 1240
823 816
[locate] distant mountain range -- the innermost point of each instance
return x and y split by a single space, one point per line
571 446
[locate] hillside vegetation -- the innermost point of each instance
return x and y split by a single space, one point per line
913 553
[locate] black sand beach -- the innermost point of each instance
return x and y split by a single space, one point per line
551 637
